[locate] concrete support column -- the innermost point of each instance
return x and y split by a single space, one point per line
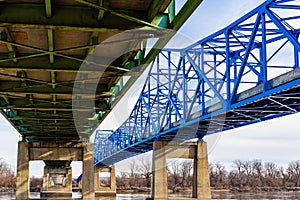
113 184
191 150
69 179
88 187
159 169
201 173
97 178
22 183
45 179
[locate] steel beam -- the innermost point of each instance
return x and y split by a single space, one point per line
157 6
61 64
67 18
52 108
185 12
13 87
48 8
121 15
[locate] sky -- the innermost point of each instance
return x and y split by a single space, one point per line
276 140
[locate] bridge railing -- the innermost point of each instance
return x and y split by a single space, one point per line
230 68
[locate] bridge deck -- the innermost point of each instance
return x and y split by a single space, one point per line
43 45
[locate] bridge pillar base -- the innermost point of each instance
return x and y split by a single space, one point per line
107 186
22 183
56 194
192 150
88 183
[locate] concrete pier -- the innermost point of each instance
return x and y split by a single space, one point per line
57 180
88 184
22 183
109 189
191 150
55 154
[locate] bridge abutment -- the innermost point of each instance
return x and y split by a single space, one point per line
197 151
57 157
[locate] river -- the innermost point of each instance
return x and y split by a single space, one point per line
215 195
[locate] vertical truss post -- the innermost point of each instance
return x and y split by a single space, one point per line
246 56
296 54
169 86
263 49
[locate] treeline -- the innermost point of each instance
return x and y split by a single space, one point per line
255 174
7 176
8 179
243 175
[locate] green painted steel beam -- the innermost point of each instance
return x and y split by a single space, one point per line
50 45
60 65
49 126
23 102
102 3
93 42
121 15
14 87
69 18
5 35
157 6
48 8
44 52
31 116
39 118
185 12
178 21
51 108
57 163
171 11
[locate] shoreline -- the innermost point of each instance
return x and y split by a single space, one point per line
229 190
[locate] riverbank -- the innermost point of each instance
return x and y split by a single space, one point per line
216 194
144 190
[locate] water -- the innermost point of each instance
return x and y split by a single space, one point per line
216 195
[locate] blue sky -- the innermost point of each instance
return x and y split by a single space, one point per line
276 140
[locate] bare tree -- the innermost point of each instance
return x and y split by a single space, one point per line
271 174
185 171
145 169
218 175
174 174
284 177
133 174
237 176
122 180
294 172
7 176
258 171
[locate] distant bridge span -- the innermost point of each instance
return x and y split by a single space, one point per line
245 73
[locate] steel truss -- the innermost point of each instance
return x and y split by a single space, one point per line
245 73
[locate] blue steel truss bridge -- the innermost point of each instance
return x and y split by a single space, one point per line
245 73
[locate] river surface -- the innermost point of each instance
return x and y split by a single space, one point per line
215 195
